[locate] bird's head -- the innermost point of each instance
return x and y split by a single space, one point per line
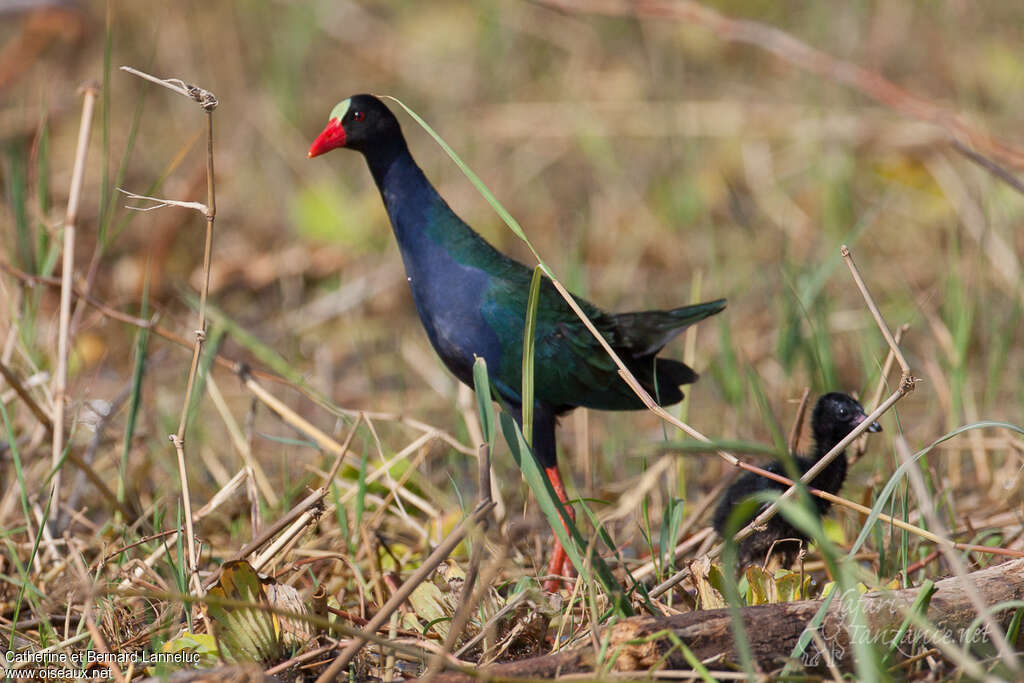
359 123
835 415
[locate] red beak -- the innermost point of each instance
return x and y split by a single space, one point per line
332 137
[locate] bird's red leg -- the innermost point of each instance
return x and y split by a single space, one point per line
560 564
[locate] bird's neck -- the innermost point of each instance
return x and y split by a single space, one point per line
385 156
838 463
834 473
420 217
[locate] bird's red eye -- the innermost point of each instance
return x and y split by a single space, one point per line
358 116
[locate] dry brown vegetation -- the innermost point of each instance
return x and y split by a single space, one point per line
655 153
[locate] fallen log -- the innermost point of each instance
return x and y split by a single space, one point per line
773 630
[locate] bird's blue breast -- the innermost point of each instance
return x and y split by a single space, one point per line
449 297
448 293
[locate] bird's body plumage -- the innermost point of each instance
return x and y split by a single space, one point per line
472 299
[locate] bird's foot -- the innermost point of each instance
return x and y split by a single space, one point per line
560 566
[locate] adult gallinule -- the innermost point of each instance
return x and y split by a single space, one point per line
472 299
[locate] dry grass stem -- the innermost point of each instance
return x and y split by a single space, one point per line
205 98
648 568
12 379
321 439
631 499
290 534
999 252
397 491
472 593
883 382
60 379
240 443
417 425
312 500
793 442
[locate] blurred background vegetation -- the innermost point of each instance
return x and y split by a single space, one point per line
650 161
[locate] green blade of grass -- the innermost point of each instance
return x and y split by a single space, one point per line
730 589
919 606
726 367
764 405
47 248
672 519
24 570
969 634
135 400
529 331
341 517
556 514
15 175
484 404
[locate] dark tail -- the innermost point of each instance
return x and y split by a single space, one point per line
671 375
645 332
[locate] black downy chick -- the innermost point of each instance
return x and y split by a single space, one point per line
835 415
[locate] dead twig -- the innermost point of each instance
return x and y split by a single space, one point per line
894 346
160 203
890 358
208 102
